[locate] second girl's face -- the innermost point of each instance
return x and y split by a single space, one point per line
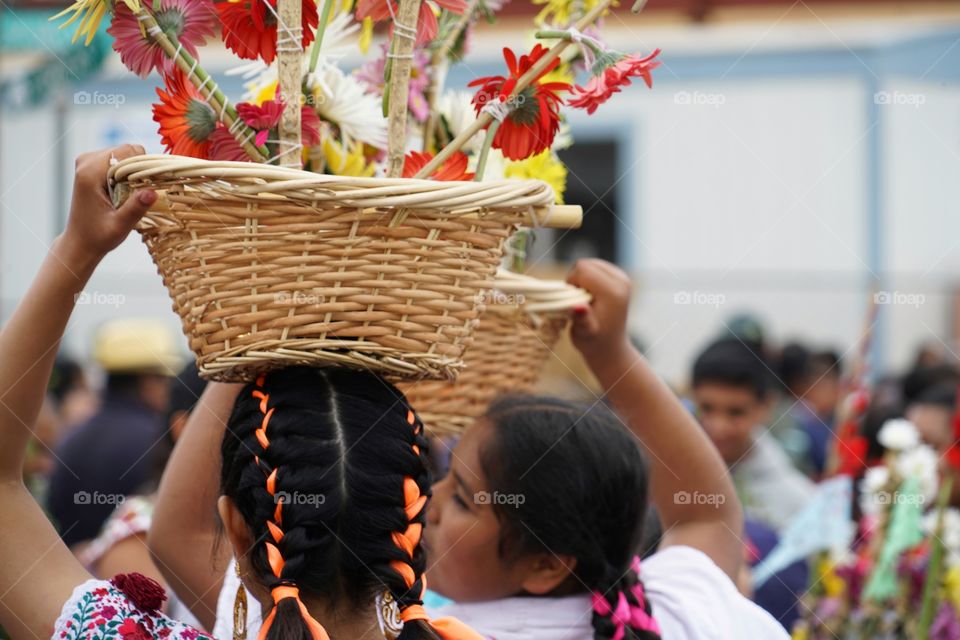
462 533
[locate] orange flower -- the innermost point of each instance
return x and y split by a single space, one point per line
186 120
455 168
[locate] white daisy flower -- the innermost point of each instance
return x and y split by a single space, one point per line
898 435
343 100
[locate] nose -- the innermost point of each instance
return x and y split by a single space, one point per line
436 502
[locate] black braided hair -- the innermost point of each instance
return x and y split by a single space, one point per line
317 462
584 483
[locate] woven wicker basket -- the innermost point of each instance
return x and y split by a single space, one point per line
269 266
513 342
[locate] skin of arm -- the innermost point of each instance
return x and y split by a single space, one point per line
183 533
682 461
37 572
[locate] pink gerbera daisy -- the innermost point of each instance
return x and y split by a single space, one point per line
611 72
191 22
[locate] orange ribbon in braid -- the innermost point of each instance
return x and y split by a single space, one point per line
283 590
448 628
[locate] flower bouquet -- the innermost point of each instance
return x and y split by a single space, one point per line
901 578
355 218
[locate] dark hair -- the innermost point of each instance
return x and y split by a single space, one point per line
732 363
943 395
825 364
794 367
328 468
123 384
918 380
584 485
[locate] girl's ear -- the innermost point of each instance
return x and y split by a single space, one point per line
546 572
235 526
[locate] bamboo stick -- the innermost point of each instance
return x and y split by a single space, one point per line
401 62
290 70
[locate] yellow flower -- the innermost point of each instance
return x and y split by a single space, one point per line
544 166
560 12
260 93
951 583
92 12
562 73
799 633
833 584
346 163
366 34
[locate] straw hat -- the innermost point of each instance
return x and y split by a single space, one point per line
137 345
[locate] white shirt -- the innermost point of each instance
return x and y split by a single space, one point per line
691 599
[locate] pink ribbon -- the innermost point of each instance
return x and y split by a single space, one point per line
626 614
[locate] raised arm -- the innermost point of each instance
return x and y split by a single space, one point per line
37 572
183 533
689 482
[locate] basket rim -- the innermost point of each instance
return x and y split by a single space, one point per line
248 179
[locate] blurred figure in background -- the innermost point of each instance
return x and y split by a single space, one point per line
108 456
121 546
731 392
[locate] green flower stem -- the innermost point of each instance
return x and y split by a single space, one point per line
485 150
559 34
931 585
318 41
205 84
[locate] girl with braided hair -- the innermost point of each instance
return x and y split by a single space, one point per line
323 476
535 530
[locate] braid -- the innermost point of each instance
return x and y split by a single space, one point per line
623 609
284 587
332 480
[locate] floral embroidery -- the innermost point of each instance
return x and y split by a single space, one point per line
99 611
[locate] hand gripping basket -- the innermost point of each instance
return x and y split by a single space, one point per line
270 266
522 322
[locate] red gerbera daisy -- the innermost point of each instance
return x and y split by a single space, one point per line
250 27
427 27
223 146
611 72
534 116
186 120
266 116
455 168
